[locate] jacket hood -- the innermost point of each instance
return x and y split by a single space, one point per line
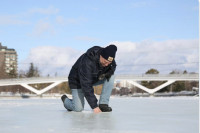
94 53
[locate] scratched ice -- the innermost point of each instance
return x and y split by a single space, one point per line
130 115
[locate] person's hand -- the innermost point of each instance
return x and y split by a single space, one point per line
97 110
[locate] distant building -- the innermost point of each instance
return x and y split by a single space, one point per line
8 61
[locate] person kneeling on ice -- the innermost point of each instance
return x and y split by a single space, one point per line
95 67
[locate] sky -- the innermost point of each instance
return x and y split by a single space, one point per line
52 34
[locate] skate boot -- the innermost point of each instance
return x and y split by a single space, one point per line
105 108
63 100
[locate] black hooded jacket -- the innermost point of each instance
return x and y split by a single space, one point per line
87 70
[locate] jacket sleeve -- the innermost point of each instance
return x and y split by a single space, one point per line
85 77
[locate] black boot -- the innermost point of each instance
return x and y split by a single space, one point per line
63 99
105 108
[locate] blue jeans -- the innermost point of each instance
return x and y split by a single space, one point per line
77 102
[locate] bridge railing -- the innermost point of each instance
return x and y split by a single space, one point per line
132 79
158 77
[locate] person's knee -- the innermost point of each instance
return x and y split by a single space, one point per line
78 109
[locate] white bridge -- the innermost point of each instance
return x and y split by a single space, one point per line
131 79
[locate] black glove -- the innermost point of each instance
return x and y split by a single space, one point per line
102 76
107 76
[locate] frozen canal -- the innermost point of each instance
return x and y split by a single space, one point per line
130 115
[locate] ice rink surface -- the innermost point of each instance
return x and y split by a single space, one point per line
130 115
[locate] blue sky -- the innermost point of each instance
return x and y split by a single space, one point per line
27 25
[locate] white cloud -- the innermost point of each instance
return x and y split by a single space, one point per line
51 59
43 24
95 8
43 27
131 58
139 4
12 20
60 20
20 19
65 21
164 55
47 11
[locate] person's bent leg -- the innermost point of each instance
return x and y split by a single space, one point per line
77 102
106 90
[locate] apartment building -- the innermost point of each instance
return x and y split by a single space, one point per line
8 61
